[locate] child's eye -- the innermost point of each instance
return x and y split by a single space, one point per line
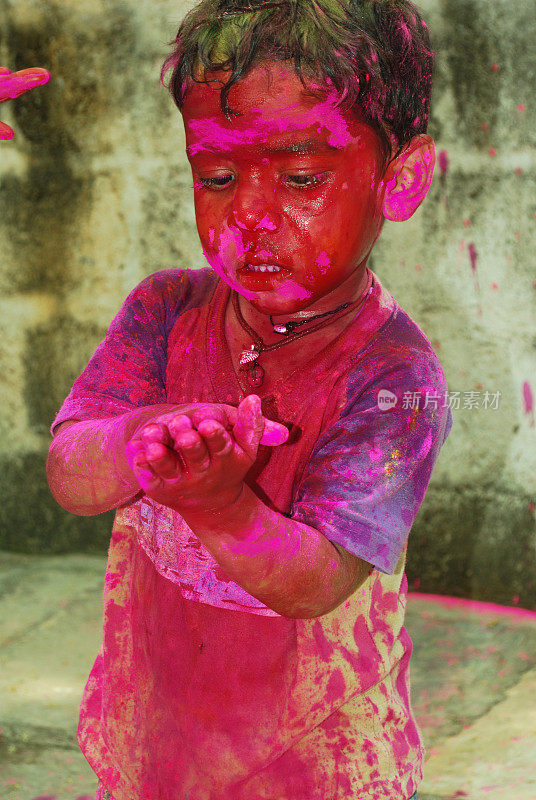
306 181
220 182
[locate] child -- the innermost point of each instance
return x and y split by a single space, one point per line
266 427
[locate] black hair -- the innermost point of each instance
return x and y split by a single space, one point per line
375 53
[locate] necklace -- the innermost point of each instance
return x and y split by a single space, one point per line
249 358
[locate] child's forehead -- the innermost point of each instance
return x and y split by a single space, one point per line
278 135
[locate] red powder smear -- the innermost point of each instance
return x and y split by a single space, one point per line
495 67
528 401
443 161
519 171
494 285
484 126
473 255
466 223
522 615
521 107
527 396
492 152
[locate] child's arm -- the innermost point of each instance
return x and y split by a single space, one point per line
87 469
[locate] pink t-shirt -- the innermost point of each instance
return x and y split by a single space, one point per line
201 692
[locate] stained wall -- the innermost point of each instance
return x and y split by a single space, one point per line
95 195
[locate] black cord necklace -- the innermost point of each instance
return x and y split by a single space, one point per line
287 328
248 358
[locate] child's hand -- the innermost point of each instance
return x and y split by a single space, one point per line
13 84
201 467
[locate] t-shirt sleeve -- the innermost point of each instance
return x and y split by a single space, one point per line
369 471
128 368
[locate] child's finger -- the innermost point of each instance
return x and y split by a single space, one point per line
16 83
250 425
218 440
140 461
193 450
144 473
164 462
132 447
177 425
156 432
274 433
6 132
211 411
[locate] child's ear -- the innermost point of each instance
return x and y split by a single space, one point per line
408 178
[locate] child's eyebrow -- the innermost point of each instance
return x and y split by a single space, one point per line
306 146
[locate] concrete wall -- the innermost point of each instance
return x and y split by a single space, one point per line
95 194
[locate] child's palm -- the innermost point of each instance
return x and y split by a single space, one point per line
203 467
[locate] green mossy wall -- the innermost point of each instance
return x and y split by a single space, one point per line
95 194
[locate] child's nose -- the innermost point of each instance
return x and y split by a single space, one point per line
254 209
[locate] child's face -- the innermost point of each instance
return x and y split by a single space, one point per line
293 181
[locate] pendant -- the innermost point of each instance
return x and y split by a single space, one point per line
247 356
255 375
281 329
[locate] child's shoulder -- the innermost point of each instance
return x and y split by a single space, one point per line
180 284
401 342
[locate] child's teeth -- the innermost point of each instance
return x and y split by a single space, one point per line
272 268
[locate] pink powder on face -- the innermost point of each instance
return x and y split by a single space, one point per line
322 261
267 123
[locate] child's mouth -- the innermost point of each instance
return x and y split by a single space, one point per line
254 278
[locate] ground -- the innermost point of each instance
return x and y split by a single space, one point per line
473 685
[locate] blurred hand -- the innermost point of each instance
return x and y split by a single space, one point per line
13 84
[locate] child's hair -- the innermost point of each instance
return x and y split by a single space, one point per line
376 53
